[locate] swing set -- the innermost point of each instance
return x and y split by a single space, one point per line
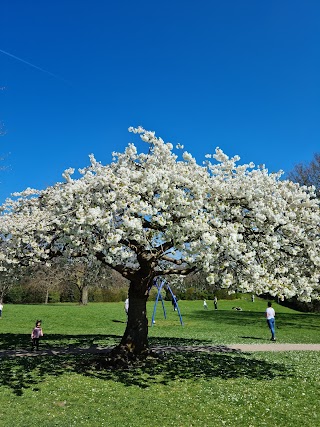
160 284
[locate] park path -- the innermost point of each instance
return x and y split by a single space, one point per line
166 349
243 348
275 347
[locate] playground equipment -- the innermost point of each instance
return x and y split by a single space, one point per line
160 284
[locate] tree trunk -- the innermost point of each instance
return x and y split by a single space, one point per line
46 298
135 338
84 295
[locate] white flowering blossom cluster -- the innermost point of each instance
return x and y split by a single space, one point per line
156 213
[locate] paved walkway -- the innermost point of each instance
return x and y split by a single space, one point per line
230 348
275 347
272 346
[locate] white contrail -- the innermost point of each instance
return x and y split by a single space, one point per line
29 63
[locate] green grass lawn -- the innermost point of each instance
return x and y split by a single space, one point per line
181 389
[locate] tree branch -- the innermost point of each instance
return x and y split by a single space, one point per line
127 273
132 244
183 272
172 260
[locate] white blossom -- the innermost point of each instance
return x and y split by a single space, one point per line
244 227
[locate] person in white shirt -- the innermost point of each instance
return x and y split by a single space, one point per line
1 308
126 306
270 315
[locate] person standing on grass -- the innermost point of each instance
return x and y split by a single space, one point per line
36 334
215 302
1 308
205 305
270 316
174 302
126 306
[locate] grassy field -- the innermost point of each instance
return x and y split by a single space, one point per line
182 389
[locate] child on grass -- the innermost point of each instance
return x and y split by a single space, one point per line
36 334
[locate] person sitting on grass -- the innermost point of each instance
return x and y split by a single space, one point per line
36 334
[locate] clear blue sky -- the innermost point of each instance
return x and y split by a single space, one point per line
75 74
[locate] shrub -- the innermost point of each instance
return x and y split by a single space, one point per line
108 295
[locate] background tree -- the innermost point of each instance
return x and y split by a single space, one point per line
46 277
85 275
150 214
307 174
10 276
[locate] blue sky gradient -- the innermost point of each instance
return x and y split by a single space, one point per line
241 75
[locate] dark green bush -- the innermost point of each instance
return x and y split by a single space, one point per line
108 295
20 294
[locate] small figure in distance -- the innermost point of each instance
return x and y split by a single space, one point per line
205 305
1 308
215 302
174 302
36 334
252 298
270 316
126 306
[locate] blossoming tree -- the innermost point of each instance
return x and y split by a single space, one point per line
149 215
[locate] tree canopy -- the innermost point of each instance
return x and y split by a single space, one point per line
159 213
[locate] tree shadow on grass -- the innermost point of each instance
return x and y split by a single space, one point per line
21 373
53 341
50 341
176 341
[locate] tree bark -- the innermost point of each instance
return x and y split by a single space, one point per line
135 338
46 298
84 295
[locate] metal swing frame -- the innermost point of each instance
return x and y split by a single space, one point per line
162 284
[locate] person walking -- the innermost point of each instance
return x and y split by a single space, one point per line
215 302
1 308
205 305
36 334
270 316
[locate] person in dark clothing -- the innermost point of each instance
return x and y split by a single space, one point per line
174 302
